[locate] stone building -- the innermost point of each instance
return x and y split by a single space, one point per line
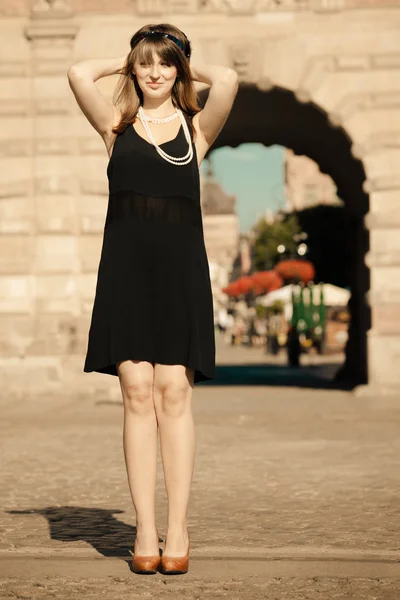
321 77
305 185
221 232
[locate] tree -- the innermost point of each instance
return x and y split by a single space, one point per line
268 236
329 242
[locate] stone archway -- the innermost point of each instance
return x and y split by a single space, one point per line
342 56
278 117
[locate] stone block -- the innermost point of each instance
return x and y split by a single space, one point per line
92 171
86 306
16 334
374 128
16 253
92 181
56 254
54 334
52 87
57 294
383 163
82 330
52 106
385 285
87 285
15 188
17 294
52 126
56 214
91 213
384 201
87 289
386 319
91 224
54 146
91 145
15 147
62 374
31 374
384 359
89 252
385 241
17 215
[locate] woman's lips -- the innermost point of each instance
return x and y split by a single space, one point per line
154 85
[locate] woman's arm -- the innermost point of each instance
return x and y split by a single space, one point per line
101 113
224 86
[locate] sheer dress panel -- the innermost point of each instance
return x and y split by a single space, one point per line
175 210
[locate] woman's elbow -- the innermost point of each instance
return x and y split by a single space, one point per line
75 72
72 72
231 77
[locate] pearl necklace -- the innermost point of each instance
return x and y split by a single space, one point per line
178 161
164 120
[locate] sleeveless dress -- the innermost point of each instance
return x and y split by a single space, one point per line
153 298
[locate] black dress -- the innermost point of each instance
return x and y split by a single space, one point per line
153 297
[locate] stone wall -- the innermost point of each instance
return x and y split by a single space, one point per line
341 55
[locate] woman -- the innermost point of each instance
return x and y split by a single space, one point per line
152 321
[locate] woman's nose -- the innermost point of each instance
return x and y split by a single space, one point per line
154 73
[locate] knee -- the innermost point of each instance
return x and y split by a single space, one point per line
138 397
173 399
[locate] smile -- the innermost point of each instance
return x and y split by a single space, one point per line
154 85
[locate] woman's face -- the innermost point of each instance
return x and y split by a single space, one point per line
155 79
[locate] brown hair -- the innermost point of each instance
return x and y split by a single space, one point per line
127 91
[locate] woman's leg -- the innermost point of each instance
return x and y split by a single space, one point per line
173 387
140 448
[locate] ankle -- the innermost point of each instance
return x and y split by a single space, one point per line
145 529
178 528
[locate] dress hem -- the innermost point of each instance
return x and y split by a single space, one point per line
111 368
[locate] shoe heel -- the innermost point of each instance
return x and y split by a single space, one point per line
175 565
145 565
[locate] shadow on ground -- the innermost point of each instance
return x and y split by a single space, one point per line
310 376
95 526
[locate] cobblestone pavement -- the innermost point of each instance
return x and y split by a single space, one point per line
295 495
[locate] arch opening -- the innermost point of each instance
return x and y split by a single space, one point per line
276 116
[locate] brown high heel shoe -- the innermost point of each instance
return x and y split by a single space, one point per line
175 565
145 565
